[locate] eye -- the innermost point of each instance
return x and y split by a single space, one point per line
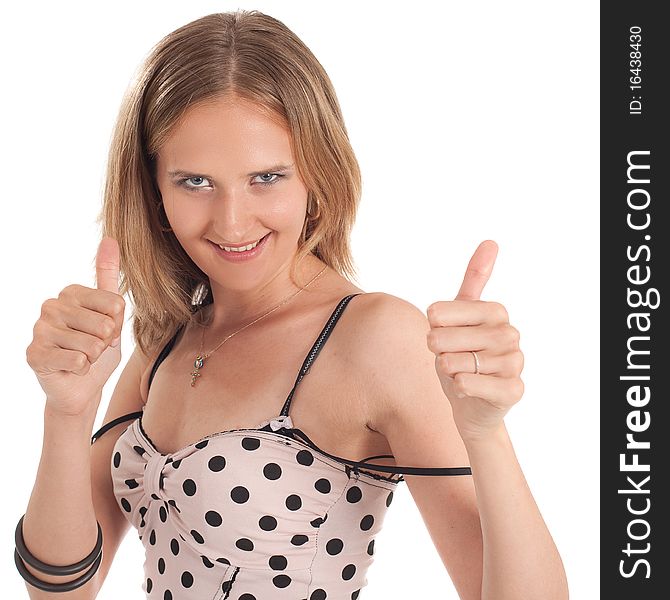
272 181
196 182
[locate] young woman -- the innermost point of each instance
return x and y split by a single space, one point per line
270 407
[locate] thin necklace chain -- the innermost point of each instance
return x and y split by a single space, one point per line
200 358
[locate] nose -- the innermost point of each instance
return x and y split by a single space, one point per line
234 217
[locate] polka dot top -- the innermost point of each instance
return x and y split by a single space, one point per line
253 514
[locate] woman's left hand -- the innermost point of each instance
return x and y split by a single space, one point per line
466 324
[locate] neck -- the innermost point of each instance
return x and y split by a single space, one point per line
234 308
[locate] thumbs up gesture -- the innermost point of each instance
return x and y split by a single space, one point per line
477 356
76 341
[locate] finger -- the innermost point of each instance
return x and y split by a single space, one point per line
71 361
499 391
67 339
478 271
501 365
447 313
94 322
107 265
501 338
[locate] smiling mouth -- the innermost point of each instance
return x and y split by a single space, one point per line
241 249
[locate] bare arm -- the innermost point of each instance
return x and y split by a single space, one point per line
73 489
486 527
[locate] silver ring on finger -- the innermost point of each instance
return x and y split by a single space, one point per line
474 354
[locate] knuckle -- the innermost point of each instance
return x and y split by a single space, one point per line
442 363
431 339
107 327
499 311
431 311
48 307
97 348
80 360
518 361
514 333
119 304
68 290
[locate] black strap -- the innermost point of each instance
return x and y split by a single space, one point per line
316 348
164 352
393 469
114 423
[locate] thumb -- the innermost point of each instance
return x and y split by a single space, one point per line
107 265
479 270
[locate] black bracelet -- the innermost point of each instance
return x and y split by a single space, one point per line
23 553
55 587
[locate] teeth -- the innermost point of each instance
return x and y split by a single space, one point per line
241 249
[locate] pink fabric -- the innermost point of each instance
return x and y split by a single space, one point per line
248 515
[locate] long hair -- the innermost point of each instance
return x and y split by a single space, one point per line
253 56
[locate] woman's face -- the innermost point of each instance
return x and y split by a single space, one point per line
227 176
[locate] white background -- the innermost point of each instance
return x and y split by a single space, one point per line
471 121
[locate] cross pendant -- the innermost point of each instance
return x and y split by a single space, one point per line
199 361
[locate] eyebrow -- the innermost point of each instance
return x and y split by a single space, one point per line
271 169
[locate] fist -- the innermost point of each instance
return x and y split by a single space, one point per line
477 355
76 340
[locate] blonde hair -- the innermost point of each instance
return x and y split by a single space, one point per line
257 58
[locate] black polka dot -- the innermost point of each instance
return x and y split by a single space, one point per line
278 562
139 450
197 537
189 487
267 523
213 518
131 483
299 540
247 597
186 579
223 561
322 485
162 513
174 504
239 494
355 594
348 572
366 522
245 544
208 563
226 585
143 510
150 584
354 494
293 502
317 522
249 443
117 459
216 463
389 499
371 547
174 546
161 481
155 497
272 471
334 546
167 595
318 595
305 457
201 445
176 463
161 565
152 537
126 505
281 581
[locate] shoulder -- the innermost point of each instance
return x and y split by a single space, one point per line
389 347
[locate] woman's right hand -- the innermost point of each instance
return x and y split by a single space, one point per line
76 342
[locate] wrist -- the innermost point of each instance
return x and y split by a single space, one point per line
486 440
